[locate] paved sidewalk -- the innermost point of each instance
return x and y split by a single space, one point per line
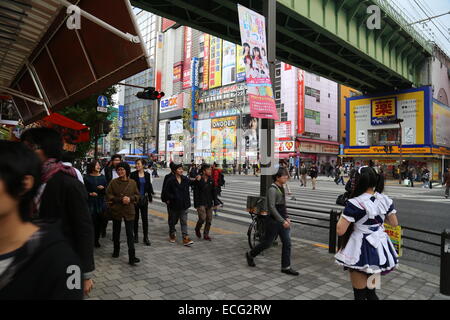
218 270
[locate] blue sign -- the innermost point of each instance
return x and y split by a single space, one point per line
102 101
194 88
120 118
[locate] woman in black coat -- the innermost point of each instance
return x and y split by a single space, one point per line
145 187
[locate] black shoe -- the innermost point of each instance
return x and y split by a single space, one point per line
290 272
147 242
115 254
97 244
250 261
133 261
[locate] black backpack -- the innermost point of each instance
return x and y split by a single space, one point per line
221 179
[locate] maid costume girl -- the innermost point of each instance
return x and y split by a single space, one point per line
369 248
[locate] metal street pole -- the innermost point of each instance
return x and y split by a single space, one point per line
399 121
270 12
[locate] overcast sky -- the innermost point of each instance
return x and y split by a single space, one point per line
441 30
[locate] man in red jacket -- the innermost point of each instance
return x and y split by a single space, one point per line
219 181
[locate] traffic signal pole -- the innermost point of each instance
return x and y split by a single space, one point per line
270 12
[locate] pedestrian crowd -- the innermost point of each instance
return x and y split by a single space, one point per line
51 218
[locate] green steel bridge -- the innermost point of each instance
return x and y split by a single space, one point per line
326 37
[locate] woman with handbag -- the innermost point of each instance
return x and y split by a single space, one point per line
95 184
143 181
122 194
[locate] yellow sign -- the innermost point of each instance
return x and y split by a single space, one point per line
381 150
410 108
215 63
395 234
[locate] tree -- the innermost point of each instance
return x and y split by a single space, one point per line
85 111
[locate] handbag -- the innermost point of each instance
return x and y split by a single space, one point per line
143 200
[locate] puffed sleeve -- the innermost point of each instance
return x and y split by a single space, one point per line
352 213
391 210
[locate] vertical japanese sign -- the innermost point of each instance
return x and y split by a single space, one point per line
187 57
253 36
194 88
240 64
120 119
229 63
301 102
206 53
215 63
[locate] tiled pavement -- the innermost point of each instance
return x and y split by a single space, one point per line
218 270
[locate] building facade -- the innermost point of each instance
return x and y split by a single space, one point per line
139 130
421 137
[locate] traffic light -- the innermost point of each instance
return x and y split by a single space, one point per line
247 142
150 94
107 126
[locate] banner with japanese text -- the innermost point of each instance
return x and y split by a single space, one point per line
240 64
253 37
215 63
187 57
206 55
301 102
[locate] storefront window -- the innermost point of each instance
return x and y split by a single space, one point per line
384 137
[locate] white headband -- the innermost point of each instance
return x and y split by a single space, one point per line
359 171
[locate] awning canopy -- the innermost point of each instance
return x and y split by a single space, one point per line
53 66
63 121
72 131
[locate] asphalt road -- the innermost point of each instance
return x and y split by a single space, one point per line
417 208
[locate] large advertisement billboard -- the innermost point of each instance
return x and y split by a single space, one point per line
215 63
441 124
203 135
223 134
260 92
229 63
366 136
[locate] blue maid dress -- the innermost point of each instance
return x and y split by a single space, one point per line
369 248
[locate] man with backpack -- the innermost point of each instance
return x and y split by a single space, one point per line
219 182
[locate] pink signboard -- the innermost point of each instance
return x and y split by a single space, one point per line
253 36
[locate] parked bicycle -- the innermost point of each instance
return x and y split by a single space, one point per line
255 233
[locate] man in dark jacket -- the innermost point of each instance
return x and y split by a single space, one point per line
178 201
62 199
205 199
110 171
447 183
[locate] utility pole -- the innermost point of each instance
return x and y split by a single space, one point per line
270 12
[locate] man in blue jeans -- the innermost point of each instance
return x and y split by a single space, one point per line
276 224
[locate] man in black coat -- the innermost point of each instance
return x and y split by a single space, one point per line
178 199
110 171
62 199
205 199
